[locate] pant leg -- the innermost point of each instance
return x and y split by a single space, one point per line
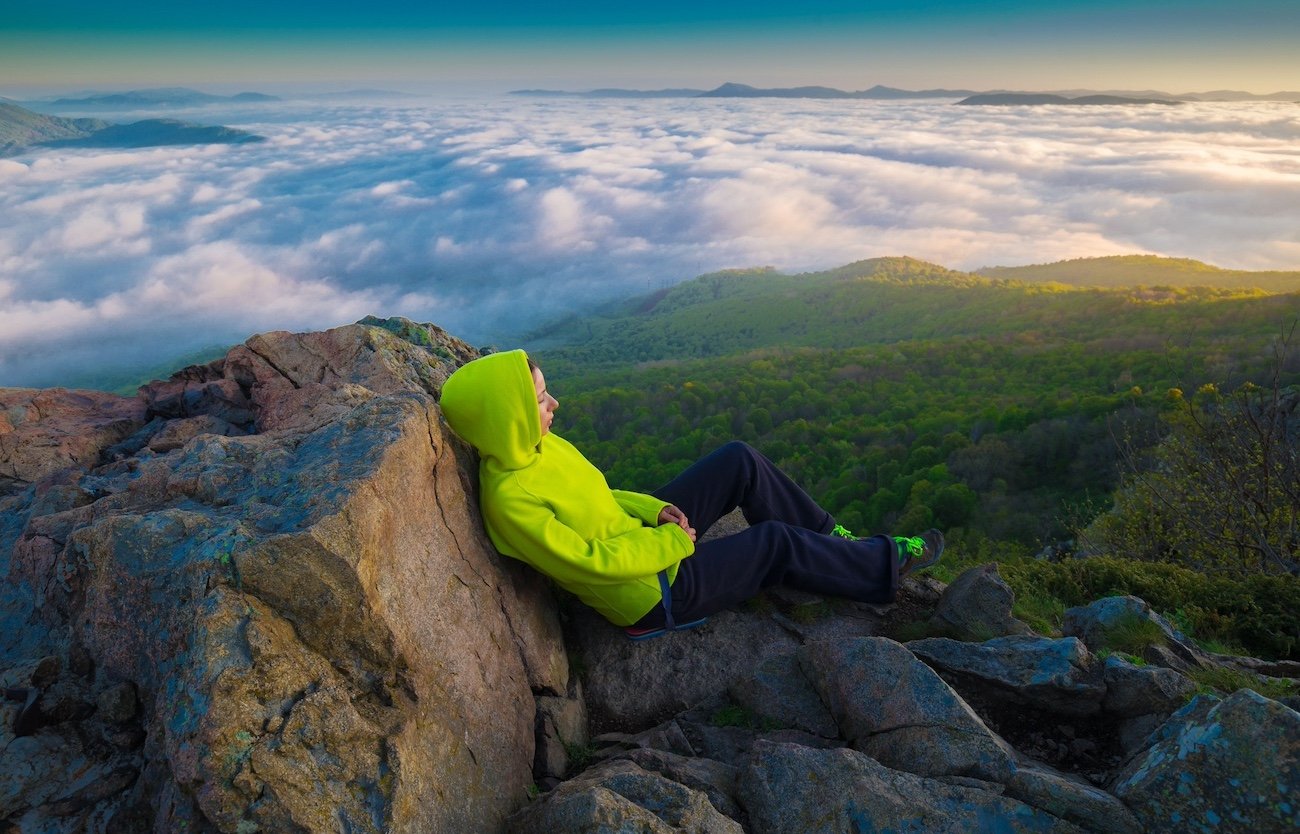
736 475
727 571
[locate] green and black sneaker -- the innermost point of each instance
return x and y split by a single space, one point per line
917 552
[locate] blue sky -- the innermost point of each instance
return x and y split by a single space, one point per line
983 44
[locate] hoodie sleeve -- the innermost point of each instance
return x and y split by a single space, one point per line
639 505
525 527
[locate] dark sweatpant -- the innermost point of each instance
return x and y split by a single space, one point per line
787 543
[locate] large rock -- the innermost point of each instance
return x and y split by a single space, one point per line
778 692
621 796
45 431
977 606
891 706
316 630
1143 690
1100 623
1229 766
630 686
1060 676
787 788
1070 799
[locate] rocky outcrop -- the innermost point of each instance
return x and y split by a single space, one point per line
1230 766
821 729
258 597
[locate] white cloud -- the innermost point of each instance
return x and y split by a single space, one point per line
485 216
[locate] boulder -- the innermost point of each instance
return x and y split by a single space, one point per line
1060 676
1143 690
305 626
620 796
561 729
632 685
788 788
1225 766
1099 624
977 606
779 693
1085 805
891 706
48 430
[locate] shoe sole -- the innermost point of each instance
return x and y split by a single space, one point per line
649 634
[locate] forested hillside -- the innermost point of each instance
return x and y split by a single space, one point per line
903 394
891 300
1146 270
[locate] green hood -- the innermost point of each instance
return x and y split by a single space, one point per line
492 404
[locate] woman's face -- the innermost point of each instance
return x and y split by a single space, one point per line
546 404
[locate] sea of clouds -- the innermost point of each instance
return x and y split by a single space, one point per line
491 216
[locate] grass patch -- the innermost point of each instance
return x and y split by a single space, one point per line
914 630
580 756
1134 634
811 612
734 715
1041 611
1102 654
1226 681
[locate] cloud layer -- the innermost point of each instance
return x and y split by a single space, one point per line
490 216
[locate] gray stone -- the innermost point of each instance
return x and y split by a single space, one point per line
1143 690
787 788
593 811
1096 622
649 802
561 727
778 692
716 780
1226 766
630 685
1056 675
176 433
117 703
977 606
891 706
1135 732
1084 805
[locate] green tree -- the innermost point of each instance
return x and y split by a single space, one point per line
1221 492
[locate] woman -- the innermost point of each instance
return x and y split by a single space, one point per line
635 557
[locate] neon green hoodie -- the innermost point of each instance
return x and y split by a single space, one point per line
544 503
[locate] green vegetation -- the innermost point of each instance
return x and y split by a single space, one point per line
734 715
1145 270
1218 679
903 395
1220 491
1133 634
580 756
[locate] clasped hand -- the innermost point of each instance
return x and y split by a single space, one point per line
672 515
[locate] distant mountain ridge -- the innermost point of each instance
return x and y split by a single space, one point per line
1006 99
155 97
879 92
22 129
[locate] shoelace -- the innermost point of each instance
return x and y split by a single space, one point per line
843 532
913 546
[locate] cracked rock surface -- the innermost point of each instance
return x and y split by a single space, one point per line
258 596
